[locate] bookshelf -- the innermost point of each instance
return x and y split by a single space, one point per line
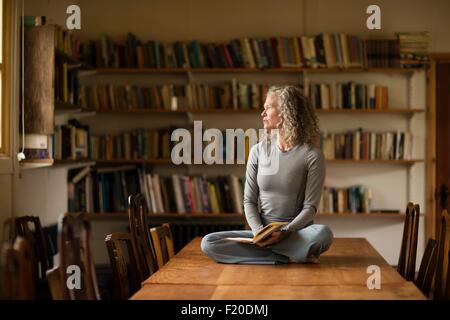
403 111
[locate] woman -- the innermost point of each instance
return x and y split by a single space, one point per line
288 190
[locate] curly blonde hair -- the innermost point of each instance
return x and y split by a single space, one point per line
300 122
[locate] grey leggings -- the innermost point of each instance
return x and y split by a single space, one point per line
297 246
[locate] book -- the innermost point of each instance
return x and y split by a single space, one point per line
262 234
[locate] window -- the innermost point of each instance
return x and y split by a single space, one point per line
4 106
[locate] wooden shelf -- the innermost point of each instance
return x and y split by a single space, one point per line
141 111
72 62
355 215
350 161
229 216
81 163
66 108
164 217
405 111
73 164
135 161
361 70
401 111
253 70
35 163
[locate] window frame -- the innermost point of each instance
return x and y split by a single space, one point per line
5 147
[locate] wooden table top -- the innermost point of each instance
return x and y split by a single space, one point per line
341 274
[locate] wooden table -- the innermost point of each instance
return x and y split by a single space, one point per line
341 274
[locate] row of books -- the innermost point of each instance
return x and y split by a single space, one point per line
382 53
141 144
234 95
71 141
193 194
354 199
107 189
348 95
318 51
136 144
66 84
365 145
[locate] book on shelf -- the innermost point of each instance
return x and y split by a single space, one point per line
385 211
262 234
66 84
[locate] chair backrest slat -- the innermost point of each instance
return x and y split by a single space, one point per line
122 286
441 278
427 268
407 258
140 235
413 239
163 243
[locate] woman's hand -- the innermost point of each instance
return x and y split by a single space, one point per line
274 238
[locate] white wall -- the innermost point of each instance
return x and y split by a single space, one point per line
43 191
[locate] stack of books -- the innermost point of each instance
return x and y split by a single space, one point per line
414 49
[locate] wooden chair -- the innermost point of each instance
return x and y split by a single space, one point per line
140 236
441 280
122 286
407 259
447 291
36 241
74 250
18 281
427 268
163 243
9 231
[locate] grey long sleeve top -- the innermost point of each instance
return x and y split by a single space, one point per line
291 194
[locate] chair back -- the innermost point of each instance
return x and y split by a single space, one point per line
427 267
123 288
407 259
163 242
76 269
18 279
140 235
35 237
441 280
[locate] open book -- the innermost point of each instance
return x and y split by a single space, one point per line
262 234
